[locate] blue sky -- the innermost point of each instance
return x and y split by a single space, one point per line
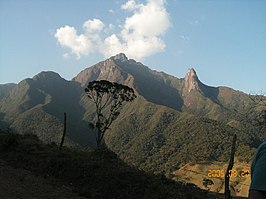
225 41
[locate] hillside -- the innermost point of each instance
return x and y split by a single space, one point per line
195 173
37 105
20 183
160 139
5 89
89 174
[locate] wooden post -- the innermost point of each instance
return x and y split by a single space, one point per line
227 194
64 133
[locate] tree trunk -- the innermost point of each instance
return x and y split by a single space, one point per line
64 133
227 194
99 139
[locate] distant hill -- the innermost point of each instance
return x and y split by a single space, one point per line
173 121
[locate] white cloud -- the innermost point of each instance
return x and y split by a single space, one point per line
130 5
95 25
112 46
79 44
149 20
140 34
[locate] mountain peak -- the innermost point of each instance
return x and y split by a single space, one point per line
191 81
120 57
46 74
191 72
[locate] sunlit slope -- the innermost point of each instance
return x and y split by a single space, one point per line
195 173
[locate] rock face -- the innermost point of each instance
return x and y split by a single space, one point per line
107 69
191 82
120 57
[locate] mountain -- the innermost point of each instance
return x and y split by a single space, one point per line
172 121
152 85
187 94
37 105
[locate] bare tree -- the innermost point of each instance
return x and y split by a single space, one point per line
108 98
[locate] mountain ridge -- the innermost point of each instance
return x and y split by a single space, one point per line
158 87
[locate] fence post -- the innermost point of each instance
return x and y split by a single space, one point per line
64 133
227 194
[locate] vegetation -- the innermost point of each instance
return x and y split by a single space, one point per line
161 140
207 183
108 98
95 174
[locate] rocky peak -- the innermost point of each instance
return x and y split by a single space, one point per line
191 73
191 81
46 75
120 57
108 69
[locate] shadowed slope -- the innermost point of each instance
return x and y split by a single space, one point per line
93 174
37 105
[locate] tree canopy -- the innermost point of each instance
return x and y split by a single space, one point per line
108 98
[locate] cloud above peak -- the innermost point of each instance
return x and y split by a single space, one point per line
78 44
139 36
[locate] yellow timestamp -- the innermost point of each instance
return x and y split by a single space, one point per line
232 173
